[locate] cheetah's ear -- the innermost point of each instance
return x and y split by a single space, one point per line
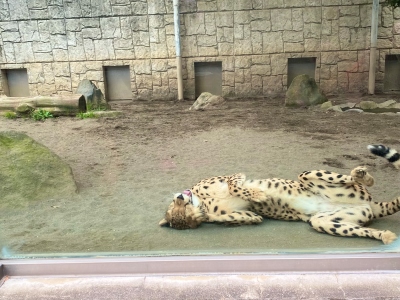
163 222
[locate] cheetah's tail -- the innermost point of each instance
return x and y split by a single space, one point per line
390 154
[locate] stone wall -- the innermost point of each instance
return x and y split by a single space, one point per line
61 42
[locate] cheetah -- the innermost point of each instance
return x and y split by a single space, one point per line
331 203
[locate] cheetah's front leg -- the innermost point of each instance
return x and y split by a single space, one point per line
349 222
236 218
235 184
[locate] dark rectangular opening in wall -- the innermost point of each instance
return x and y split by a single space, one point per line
299 66
392 73
15 82
208 77
117 83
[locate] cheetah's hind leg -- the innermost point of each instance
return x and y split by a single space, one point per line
349 222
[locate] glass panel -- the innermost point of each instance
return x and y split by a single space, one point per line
127 169
100 182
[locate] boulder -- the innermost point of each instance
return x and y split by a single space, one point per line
93 96
206 100
31 172
304 91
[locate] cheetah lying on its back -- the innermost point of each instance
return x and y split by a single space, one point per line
331 203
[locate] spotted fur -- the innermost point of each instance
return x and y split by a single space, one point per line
331 203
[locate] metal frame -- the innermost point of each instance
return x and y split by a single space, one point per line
192 265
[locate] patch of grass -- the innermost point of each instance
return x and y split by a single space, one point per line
10 115
86 115
91 107
41 115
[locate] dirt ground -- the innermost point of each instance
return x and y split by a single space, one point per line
127 169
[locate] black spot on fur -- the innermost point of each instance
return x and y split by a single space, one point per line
223 212
321 187
322 229
215 208
319 174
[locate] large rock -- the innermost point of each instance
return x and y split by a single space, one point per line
93 96
31 172
304 91
206 100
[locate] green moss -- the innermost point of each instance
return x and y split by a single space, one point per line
30 172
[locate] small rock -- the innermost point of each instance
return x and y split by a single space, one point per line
206 100
387 104
107 113
24 108
354 110
335 108
326 105
347 105
367 105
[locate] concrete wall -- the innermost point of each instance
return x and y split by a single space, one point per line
61 42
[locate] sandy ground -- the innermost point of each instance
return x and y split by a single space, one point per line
128 168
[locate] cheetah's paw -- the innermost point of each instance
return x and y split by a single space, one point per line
388 237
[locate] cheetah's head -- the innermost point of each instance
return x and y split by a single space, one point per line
182 213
